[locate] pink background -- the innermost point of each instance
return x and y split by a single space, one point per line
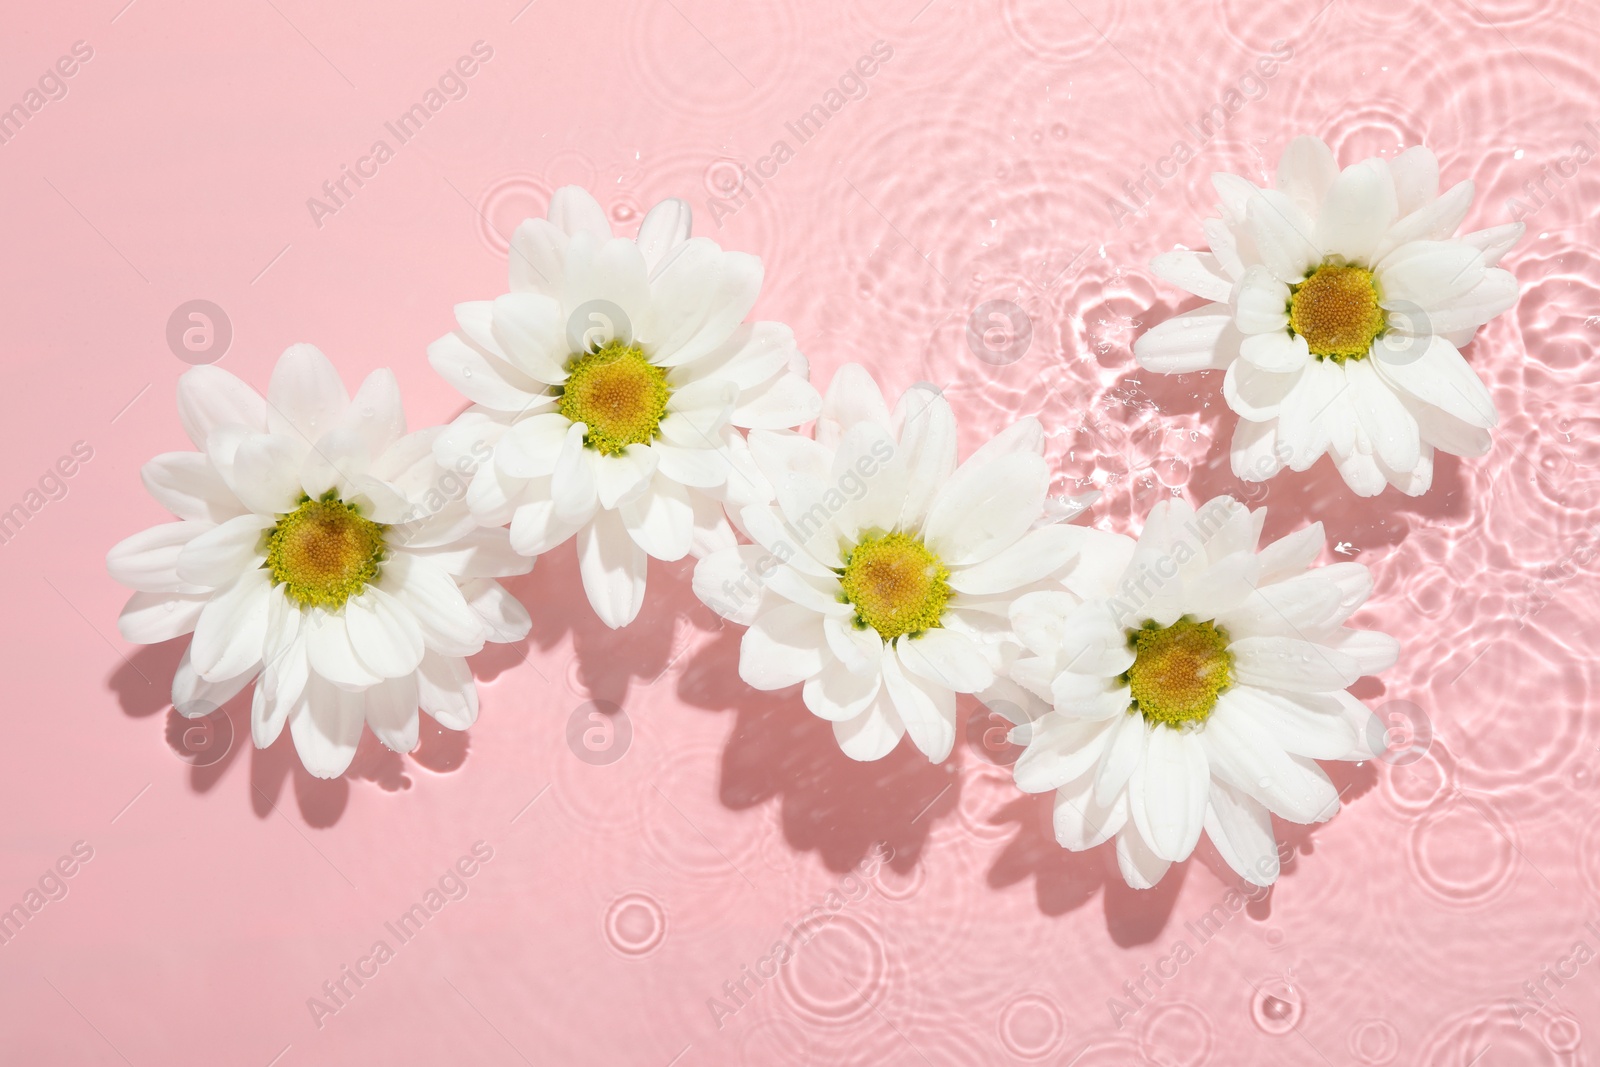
222 893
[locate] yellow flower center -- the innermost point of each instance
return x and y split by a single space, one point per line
895 584
324 552
1178 671
1336 310
618 394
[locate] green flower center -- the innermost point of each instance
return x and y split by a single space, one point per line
1178 671
1336 310
895 584
324 552
618 394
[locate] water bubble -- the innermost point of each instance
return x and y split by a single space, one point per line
1375 1041
1276 1007
1032 1026
635 924
1562 1034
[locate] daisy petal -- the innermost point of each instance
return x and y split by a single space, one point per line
1300 724
947 659
1141 868
186 484
574 210
928 711
1283 235
1175 783
1080 821
219 555
1496 241
838 695
1245 757
729 581
1306 170
391 711
613 569
1257 395
665 226
1242 831
150 618
332 655
783 647
1130 740
783 401
623 475
1254 453
531 331
985 507
384 635
1359 208
482 378
928 440
326 726
1036 555
871 735
431 595
232 628
148 560
1384 418
1439 376
574 483
853 396
446 691
538 258
1291 664
375 414
1202 339
661 519
305 396
193 697
209 398
1194 272
1060 751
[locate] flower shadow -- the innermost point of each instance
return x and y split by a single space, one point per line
1065 881
211 744
608 663
828 803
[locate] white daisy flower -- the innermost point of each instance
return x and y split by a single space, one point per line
612 383
319 554
881 580
1193 682
1341 298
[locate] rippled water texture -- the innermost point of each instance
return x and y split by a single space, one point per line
686 871
987 163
